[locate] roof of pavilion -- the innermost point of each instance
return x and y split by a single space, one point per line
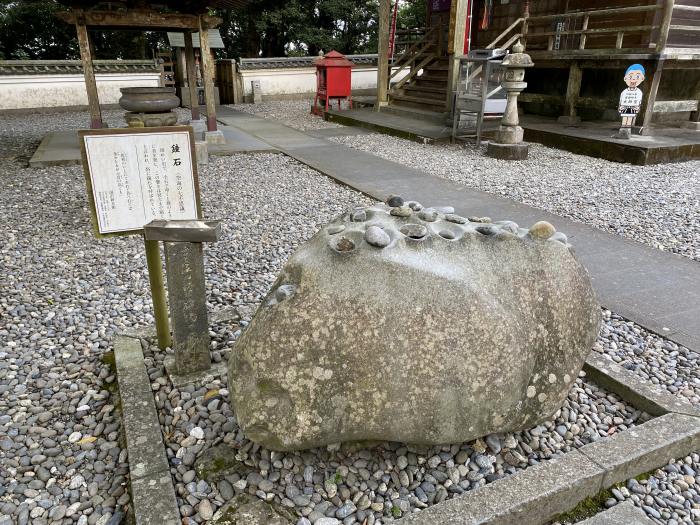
181 6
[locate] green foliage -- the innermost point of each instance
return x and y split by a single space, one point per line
412 13
300 27
395 512
29 30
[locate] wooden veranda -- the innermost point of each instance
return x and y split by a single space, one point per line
579 49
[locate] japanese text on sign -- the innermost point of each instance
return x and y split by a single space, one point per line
140 177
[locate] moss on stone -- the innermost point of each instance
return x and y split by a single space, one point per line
219 461
595 504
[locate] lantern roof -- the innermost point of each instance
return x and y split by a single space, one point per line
333 59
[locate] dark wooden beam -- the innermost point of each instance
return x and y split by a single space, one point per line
207 77
86 56
191 76
137 19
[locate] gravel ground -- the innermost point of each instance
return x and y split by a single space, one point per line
657 205
351 486
65 295
293 113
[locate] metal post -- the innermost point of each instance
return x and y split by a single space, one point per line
160 305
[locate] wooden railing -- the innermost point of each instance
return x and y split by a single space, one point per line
420 48
496 43
577 23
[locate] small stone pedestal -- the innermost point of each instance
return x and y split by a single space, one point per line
509 143
215 137
508 151
199 127
184 263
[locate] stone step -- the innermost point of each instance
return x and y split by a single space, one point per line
436 117
419 102
420 92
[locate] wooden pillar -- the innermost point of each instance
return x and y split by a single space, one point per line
191 75
207 74
86 56
573 89
694 122
383 54
647 109
455 45
665 26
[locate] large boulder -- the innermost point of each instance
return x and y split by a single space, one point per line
414 325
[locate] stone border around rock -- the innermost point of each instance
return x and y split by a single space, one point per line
152 491
533 496
539 493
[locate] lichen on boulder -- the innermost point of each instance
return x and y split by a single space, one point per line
416 325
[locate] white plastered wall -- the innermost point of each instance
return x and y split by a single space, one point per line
45 91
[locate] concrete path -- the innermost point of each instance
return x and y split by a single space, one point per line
658 290
61 148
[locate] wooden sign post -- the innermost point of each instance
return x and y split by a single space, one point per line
135 176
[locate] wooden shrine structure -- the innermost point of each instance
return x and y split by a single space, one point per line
187 16
581 49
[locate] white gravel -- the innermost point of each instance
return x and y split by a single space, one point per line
658 205
293 113
64 294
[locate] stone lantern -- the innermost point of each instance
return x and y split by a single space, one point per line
508 144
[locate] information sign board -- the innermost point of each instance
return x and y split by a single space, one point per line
137 175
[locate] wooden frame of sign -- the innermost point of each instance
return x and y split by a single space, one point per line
121 172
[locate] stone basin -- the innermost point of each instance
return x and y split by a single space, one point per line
148 99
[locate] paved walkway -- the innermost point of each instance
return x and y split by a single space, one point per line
658 290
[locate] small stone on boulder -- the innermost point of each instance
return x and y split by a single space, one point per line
541 230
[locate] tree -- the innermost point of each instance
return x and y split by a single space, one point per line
412 13
300 27
29 30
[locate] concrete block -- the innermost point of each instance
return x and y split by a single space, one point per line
215 137
532 496
644 447
154 501
152 492
692 125
201 152
184 262
508 151
199 127
632 388
622 514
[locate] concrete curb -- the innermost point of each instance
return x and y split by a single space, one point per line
539 493
532 496
152 492
629 386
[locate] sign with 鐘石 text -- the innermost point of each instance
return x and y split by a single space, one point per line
135 176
